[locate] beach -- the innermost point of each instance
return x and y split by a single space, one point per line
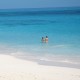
12 68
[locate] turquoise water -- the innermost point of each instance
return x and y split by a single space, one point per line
21 30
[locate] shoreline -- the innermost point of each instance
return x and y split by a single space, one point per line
12 68
46 62
40 57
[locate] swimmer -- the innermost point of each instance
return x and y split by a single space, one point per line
46 39
43 39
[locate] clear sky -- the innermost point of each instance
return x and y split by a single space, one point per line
38 3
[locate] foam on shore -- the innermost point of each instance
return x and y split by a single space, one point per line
12 68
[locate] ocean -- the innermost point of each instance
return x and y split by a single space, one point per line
21 31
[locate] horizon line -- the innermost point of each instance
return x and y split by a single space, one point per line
40 8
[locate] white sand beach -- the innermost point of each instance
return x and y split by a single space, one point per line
12 68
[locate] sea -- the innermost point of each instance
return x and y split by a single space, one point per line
21 31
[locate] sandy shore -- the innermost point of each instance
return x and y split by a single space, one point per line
12 68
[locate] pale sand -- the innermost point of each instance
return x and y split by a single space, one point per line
12 68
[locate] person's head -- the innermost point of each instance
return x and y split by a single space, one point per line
46 36
42 37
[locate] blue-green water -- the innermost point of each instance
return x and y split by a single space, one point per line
22 29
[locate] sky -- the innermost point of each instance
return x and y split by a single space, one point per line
6 4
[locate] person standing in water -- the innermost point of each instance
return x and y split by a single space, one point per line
43 39
46 39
